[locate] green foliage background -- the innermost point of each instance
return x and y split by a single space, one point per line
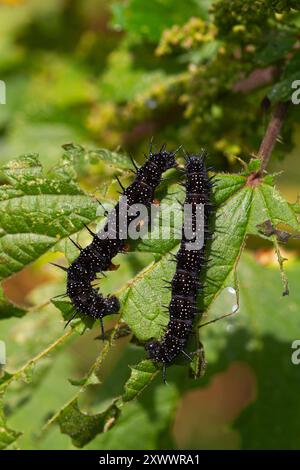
108 76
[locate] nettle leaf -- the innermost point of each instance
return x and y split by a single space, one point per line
166 224
148 322
81 427
141 375
267 203
241 207
37 211
283 89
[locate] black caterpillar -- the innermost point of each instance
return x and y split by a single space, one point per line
185 284
97 257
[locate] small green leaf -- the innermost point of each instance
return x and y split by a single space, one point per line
88 380
254 165
282 91
141 375
267 203
80 323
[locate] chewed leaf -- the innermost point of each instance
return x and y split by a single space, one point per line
269 204
268 229
81 427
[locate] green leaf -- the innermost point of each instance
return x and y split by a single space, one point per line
166 229
82 428
141 375
240 209
144 423
267 203
282 91
144 322
135 16
37 211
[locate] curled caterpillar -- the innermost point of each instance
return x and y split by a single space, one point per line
97 257
185 284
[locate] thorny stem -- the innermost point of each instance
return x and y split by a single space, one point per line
271 135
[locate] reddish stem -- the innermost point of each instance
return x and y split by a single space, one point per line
271 135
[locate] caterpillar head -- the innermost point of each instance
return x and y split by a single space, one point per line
163 159
195 163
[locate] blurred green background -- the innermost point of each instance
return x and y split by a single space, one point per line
112 74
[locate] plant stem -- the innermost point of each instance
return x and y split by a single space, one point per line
272 134
38 357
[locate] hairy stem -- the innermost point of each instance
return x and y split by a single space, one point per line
271 135
38 357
